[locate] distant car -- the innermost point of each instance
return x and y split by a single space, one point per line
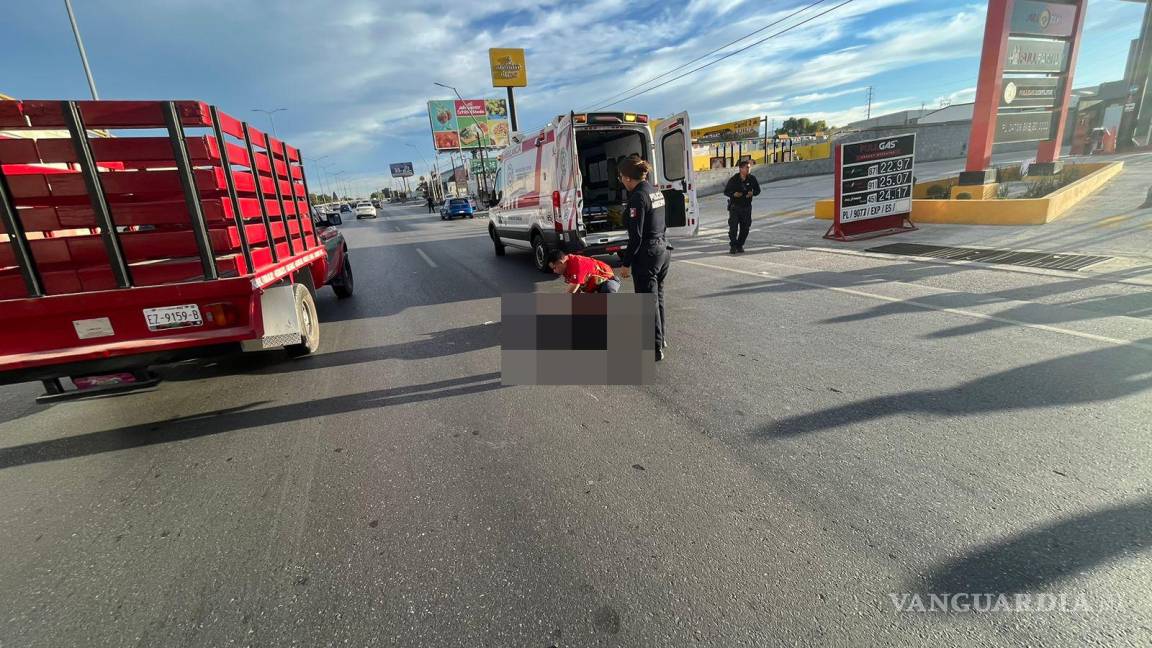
376 204
454 207
346 208
331 213
364 209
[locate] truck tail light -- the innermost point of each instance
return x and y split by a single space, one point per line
220 314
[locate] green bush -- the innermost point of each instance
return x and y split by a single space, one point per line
1041 188
937 192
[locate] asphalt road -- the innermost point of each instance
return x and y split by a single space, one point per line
1109 222
828 431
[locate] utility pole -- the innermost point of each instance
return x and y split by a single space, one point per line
80 46
869 115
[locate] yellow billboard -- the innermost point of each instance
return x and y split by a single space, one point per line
508 67
729 132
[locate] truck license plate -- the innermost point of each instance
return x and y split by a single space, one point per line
170 317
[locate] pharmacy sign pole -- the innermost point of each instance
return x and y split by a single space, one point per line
1024 85
874 182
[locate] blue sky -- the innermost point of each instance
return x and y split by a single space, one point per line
355 74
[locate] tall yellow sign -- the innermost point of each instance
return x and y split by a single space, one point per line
508 67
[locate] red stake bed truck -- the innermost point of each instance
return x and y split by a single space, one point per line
184 233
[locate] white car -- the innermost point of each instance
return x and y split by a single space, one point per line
364 209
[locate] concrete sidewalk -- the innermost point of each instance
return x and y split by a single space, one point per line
1111 222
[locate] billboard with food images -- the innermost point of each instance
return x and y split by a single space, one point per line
469 123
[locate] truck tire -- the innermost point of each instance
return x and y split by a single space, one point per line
344 284
496 244
309 324
539 253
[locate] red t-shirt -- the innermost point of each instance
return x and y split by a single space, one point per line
586 272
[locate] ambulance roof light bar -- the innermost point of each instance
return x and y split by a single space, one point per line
611 118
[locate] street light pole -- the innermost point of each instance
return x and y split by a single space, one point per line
328 179
270 120
431 167
80 46
459 142
323 185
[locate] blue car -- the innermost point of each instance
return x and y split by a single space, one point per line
454 207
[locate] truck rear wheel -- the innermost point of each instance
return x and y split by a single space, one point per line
309 324
344 284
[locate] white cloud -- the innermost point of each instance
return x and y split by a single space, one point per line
355 74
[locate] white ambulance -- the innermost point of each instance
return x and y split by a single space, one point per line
558 187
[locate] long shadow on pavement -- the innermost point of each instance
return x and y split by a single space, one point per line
905 272
243 417
1131 305
1093 376
1032 559
437 344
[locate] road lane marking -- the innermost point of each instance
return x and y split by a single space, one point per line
919 304
1109 222
425 257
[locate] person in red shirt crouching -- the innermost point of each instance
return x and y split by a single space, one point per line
584 273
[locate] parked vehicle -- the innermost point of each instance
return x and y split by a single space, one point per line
364 209
558 187
339 265
454 207
197 243
332 214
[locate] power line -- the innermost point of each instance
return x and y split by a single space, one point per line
710 53
730 54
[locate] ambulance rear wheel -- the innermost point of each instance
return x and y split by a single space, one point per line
309 324
539 253
496 244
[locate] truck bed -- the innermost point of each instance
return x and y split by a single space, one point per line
97 227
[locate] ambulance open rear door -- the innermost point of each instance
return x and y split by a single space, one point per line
675 176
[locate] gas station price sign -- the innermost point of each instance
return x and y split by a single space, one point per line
874 179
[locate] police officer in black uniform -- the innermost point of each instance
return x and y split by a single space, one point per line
648 255
740 190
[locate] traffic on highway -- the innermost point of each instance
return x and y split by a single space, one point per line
587 357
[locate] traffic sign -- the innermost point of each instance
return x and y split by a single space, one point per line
874 182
